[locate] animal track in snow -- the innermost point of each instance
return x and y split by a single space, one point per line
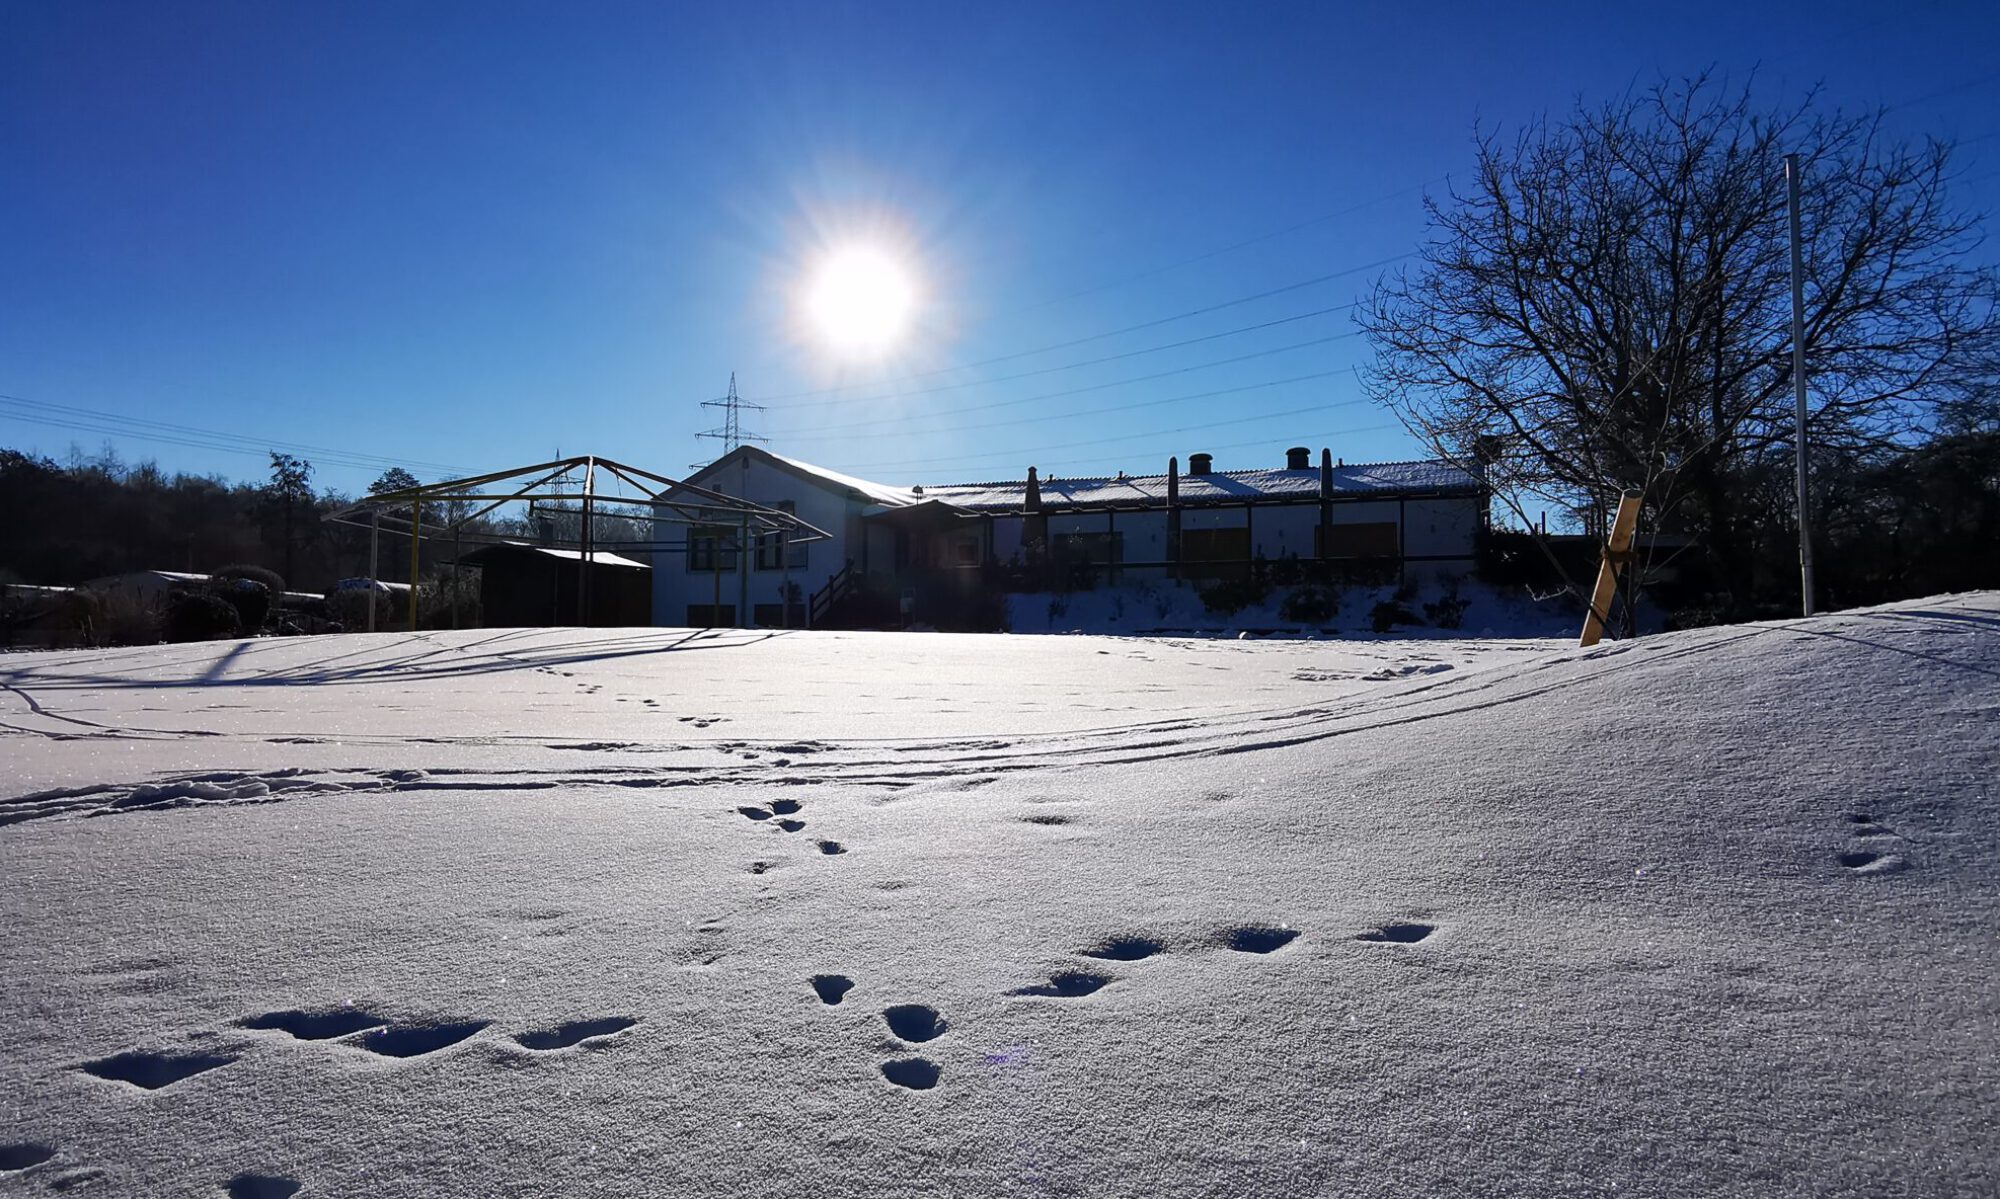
1260 938
791 826
1125 949
831 988
415 1040
755 813
153 1071
832 847
1066 984
915 1022
916 1073
317 1026
1045 818
562 1036
784 807
23 1156
1407 932
262 1186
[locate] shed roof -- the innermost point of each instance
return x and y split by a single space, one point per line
599 557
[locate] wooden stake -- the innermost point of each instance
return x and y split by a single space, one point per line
1617 552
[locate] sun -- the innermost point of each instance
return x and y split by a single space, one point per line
861 300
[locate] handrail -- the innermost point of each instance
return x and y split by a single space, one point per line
825 598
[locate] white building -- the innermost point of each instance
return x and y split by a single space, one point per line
910 553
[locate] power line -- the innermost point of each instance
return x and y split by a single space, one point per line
118 425
1070 366
1240 420
1032 420
1233 247
1152 324
1034 459
1054 395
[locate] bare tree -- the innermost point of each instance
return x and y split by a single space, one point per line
1608 301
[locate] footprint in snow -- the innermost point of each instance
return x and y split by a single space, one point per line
23 1155
574 1032
1873 860
416 1040
831 988
1863 861
154 1071
915 1073
1066 984
262 1186
1259 938
1125 949
915 1022
321 1025
1405 932
791 826
831 848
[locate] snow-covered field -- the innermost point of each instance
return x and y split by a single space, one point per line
658 912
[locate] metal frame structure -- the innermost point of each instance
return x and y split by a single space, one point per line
671 500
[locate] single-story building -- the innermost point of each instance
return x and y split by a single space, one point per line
938 544
540 586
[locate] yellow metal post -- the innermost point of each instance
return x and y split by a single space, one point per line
416 524
1617 551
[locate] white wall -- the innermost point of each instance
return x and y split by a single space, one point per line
674 588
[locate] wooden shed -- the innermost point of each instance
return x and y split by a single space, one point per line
537 586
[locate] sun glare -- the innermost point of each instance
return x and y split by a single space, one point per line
861 300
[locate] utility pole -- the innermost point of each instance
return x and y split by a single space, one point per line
1799 379
730 433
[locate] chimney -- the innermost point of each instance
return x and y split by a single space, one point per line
1199 464
1034 497
1298 458
1326 474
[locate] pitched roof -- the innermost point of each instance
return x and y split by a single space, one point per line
1232 486
860 489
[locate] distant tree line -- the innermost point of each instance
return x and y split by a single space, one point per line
95 515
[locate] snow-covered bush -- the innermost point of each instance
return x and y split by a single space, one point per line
1313 603
1389 613
201 616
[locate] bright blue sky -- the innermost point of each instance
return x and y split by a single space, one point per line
469 235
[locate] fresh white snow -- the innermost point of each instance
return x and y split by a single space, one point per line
533 912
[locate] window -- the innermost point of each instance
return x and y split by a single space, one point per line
1215 545
711 548
711 616
772 547
965 550
1369 539
1090 549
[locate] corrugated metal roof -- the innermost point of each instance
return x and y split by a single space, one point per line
1234 486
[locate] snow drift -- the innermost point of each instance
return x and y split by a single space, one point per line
654 912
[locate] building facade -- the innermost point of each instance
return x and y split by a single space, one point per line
928 548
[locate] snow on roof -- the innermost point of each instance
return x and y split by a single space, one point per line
1237 486
881 493
1394 478
603 557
